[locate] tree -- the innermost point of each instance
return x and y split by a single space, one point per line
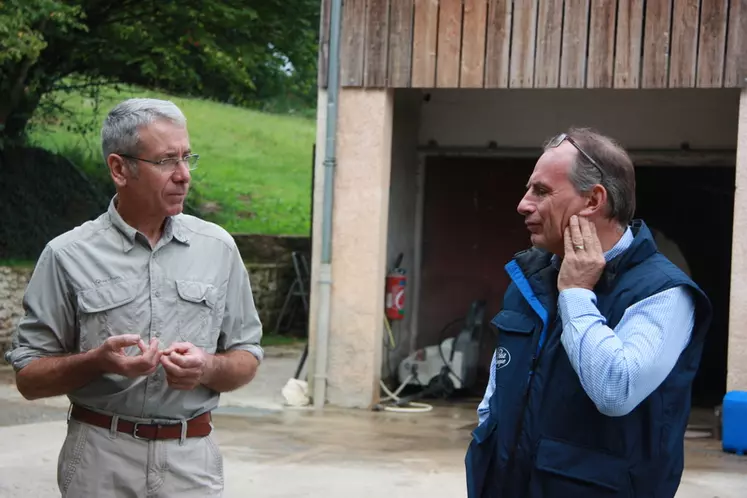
228 50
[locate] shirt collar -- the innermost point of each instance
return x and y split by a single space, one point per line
617 249
173 228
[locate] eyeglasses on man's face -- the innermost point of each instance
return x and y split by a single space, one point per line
562 137
170 163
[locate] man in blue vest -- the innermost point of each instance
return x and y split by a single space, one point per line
599 339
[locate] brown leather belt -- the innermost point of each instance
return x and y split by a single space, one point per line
197 427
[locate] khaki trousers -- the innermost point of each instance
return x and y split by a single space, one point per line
99 463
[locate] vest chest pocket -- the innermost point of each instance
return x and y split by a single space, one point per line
107 311
514 351
196 307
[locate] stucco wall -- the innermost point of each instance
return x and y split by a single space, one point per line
359 245
736 378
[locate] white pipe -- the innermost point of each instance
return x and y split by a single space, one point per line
330 158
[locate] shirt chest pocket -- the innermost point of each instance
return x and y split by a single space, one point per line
198 312
515 337
109 310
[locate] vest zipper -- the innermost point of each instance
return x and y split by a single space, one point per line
520 422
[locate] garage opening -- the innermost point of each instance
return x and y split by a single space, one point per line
693 208
471 230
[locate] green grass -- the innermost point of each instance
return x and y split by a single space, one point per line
17 263
255 168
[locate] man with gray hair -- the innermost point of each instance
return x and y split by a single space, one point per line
141 317
599 339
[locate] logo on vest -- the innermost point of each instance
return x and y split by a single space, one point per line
502 358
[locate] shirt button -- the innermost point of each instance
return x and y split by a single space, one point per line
158 293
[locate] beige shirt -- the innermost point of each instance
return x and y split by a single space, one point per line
103 279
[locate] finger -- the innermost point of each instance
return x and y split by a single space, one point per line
141 345
123 341
186 361
134 366
168 364
152 357
586 233
597 244
179 347
568 243
576 237
172 369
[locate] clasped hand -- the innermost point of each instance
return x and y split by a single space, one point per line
184 363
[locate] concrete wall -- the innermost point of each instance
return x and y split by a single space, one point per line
705 118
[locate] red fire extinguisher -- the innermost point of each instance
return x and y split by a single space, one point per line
395 291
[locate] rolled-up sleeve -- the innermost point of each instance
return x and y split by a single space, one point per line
47 328
241 328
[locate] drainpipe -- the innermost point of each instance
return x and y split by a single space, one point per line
330 159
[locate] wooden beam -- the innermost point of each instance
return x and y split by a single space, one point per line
601 63
523 45
425 34
449 43
736 45
549 37
352 48
656 43
473 44
377 44
683 60
575 36
711 47
498 43
400 43
628 44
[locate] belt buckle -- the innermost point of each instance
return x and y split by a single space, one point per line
134 431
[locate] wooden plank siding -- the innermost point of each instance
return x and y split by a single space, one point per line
600 65
473 44
538 43
449 43
549 37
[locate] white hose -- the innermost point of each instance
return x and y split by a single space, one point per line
413 406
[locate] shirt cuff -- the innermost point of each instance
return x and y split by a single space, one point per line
577 302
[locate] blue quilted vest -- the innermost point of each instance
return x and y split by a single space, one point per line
544 437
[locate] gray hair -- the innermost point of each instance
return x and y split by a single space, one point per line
120 132
617 175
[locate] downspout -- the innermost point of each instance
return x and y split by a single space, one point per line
330 159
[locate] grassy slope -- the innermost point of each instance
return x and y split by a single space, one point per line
255 169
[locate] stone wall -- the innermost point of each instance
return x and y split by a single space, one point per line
268 261
13 282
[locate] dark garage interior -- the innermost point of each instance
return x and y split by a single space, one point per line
471 230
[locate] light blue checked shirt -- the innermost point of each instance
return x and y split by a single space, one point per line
619 368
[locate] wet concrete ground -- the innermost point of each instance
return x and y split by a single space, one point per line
274 452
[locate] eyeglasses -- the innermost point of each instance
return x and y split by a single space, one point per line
559 140
170 163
